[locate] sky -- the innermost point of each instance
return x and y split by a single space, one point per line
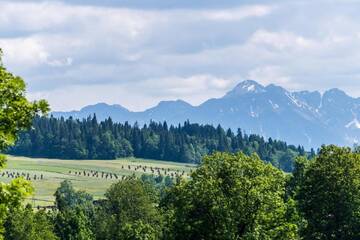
136 53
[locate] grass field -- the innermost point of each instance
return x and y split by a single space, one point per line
82 173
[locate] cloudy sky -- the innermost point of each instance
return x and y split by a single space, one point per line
136 53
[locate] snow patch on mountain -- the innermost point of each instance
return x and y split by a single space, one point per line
274 105
246 87
294 100
251 88
253 113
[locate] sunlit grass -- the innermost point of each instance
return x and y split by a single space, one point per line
55 171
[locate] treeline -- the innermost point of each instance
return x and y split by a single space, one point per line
229 196
90 139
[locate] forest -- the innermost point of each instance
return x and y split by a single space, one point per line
189 142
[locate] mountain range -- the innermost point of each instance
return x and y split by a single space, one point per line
306 118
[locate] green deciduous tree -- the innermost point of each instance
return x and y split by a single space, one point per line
16 114
129 212
75 215
25 224
66 197
71 224
329 195
230 196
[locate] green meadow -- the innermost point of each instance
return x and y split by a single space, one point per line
92 176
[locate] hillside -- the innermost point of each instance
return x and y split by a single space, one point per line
47 174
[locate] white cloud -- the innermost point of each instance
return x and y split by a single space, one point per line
273 75
138 56
29 52
237 13
45 16
195 89
31 16
77 96
24 51
282 40
60 63
187 85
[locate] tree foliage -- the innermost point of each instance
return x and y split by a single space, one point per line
230 196
16 114
75 215
66 197
73 224
25 224
129 212
329 195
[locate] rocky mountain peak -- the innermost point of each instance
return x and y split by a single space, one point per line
245 87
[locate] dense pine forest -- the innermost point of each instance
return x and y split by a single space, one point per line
189 142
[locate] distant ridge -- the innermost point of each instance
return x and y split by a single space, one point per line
306 118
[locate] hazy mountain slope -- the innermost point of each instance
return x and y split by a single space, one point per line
306 118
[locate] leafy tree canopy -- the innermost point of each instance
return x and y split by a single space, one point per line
230 196
129 212
25 224
16 114
329 194
66 197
